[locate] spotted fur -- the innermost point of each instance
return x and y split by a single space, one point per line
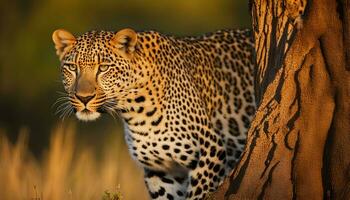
186 102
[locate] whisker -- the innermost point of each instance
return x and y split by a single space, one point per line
62 108
60 100
62 93
66 112
63 105
110 111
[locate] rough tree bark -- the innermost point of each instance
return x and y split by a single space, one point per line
298 145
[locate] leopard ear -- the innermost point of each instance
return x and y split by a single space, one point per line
125 41
63 41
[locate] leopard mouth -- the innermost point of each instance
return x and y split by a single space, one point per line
87 115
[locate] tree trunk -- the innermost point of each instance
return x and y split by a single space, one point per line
298 145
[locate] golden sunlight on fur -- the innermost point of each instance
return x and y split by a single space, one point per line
66 171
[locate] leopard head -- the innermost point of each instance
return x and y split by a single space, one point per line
97 70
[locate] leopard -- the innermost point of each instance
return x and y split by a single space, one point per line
186 102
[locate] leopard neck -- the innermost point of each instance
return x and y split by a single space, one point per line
143 106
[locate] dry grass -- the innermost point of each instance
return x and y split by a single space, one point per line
68 172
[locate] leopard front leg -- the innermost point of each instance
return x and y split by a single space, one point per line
162 185
209 173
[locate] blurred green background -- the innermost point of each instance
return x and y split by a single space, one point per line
29 73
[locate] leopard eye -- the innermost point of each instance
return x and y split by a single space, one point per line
71 67
103 68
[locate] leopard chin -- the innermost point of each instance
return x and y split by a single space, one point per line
87 115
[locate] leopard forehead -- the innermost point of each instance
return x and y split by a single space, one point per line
91 48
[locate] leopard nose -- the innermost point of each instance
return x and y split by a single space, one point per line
85 99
